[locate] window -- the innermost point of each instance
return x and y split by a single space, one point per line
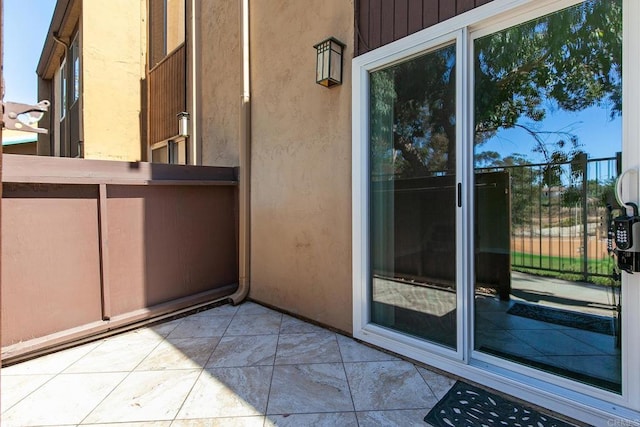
166 28
75 76
63 90
173 152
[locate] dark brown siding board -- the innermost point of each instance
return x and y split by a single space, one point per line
446 10
401 17
429 13
374 24
362 22
379 22
414 10
464 5
387 22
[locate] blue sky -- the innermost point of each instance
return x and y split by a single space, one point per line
26 23
599 136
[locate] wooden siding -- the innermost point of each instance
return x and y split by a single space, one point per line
167 95
379 22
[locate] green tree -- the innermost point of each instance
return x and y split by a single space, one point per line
570 60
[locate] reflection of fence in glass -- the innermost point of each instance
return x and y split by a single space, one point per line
559 217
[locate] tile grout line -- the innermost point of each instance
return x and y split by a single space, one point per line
206 363
104 398
186 396
344 369
203 369
53 376
123 379
4 411
273 368
426 382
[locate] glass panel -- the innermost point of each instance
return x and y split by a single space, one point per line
160 155
547 140
412 211
75 56
63 89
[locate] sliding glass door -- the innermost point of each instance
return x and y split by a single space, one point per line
486 153
547 150
412 196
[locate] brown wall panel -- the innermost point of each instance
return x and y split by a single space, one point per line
169 242
401 18
379 22
375 24
414 10
430 13
464 5
446 10
50 259
362 30
387 21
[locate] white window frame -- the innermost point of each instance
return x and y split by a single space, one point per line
573 399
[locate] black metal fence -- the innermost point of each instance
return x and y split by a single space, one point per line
559 216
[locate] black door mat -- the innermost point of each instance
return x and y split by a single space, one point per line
573 319
468 406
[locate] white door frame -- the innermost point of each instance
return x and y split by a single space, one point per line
570 398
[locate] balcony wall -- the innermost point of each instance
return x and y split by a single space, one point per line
89 245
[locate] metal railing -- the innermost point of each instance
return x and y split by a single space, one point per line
559 216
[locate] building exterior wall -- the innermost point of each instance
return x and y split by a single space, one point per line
113 62
301 162
220 81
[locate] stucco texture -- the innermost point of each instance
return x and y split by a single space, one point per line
113 46
301 162
220 81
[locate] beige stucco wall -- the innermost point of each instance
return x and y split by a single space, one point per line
301 162
113 45
220 81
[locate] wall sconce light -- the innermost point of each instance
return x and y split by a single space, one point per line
183 124
329 62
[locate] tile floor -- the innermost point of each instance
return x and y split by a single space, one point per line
227 366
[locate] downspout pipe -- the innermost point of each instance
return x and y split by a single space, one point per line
244 184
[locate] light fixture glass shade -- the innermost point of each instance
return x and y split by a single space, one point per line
329 62
183 124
